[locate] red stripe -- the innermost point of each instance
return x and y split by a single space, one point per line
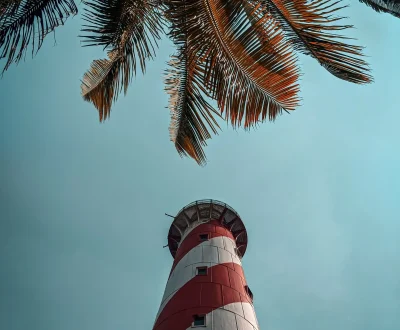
214 228
223 284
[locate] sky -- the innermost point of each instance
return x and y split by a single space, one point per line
82 203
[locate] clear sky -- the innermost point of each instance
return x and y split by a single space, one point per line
82 203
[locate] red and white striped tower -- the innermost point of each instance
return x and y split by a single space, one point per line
207 287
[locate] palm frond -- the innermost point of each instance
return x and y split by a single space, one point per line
245 76
191 114
310 26
5 3
384 6
29 21
129 29
101 83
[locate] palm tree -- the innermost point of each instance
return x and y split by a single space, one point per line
385 6
241 53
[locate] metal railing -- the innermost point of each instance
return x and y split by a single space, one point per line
209 201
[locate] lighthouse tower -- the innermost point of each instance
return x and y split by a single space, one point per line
206 288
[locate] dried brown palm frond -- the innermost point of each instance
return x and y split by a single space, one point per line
249 79
29 21
241 53
102 82
129 30
311 27
384 6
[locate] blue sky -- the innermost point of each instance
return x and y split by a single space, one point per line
82 203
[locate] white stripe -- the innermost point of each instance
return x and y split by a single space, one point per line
217 250
231 317
192 226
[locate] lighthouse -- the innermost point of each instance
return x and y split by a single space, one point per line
206 288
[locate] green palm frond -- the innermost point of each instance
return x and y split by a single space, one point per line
27 22
191 115
129 30
384 6
5 3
